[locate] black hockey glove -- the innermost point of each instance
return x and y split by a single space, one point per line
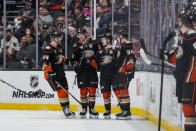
69 62
51 75
163 55
129 75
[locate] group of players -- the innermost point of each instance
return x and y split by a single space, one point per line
116 68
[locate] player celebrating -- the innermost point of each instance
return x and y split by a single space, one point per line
106 58
125 65
53 60
84 53
185 73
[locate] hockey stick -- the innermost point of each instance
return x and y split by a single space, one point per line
142 44
68 92
169 37
36 93
165 62
172 66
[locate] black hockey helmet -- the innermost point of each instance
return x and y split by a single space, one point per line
107 36
54 35
127 45
81 30
123 33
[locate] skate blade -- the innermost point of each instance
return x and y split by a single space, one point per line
71 116
82 116
93 117
107 117
123 118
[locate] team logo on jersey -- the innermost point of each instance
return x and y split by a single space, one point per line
194 45
106 60
89 53
34 81
179 52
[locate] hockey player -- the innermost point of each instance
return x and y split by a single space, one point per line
84 53
53 60
106 58
186 67
125 64
185 62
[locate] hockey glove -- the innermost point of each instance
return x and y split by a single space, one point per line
129 75
51 74
163 55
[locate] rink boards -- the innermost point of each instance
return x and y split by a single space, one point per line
144 92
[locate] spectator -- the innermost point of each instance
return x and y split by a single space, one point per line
88 31
120 15
44 36
45 18
11 44
71 40
26 16
79 18
26 52
103 21
8 26
106 6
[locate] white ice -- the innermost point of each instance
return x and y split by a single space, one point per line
17 120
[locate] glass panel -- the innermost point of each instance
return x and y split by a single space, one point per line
120 16
157 21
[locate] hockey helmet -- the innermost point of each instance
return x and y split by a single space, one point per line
123 34
107 36
54 35
81 30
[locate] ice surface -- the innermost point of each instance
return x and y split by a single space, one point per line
17 120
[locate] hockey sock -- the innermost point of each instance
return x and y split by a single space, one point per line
190 117
83 97
64 105
108 107
63 98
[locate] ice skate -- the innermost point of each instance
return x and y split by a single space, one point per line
107 114
83 113
125 115
93 114
68 113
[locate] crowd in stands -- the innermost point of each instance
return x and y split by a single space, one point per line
21 37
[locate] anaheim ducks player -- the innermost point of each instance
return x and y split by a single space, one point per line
185 59
84 53
125 64
186 67
106 58
53 60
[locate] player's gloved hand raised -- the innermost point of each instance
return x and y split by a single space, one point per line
129 75
163 55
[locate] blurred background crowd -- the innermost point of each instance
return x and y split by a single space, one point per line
147 19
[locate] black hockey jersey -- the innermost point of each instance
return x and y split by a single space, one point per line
54 58
106 59
84 53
